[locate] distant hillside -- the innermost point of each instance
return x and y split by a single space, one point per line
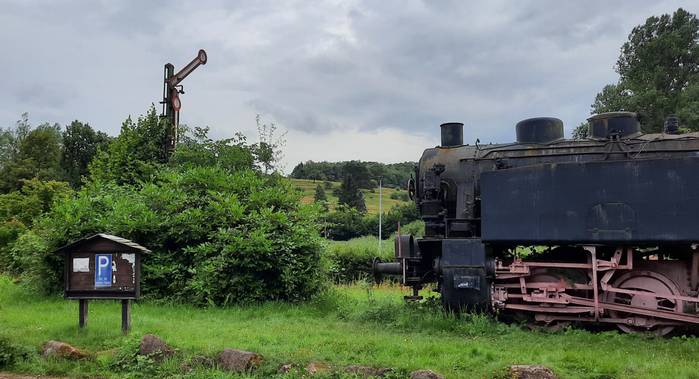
371 196
366 174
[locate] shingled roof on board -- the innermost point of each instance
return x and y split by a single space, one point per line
119 240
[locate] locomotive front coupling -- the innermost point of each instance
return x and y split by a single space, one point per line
461 267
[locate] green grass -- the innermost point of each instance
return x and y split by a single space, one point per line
308 187
349 325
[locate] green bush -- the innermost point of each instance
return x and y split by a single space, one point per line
217 237
349 261
416 228
11 353
403 214
18 210
400 195
346 223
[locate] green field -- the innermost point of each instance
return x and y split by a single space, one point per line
308 187
348 325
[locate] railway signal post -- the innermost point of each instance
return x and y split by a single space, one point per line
172 89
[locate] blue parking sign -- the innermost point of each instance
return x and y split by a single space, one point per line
103 270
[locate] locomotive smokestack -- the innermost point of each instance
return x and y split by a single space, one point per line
452 134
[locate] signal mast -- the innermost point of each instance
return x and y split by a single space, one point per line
171 99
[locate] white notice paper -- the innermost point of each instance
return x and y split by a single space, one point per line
81 264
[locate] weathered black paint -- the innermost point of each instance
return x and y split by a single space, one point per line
463 267
641 201
452 134
539 130
614 125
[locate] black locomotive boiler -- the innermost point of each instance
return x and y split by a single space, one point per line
614 221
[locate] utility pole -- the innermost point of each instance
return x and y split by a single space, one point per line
171 99
380 213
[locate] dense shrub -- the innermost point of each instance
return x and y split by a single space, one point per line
348 261
400 195
346 223
217 236
403 214
134 155
18 209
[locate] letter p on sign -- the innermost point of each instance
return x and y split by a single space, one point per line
103 270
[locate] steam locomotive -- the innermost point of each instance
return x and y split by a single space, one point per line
599 230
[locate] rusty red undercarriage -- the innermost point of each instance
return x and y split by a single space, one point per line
636 292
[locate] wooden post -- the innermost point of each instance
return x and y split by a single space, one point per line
125 316
82 312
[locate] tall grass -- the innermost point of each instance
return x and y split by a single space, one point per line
348 261
349 324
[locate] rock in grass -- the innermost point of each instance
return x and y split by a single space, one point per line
366 371
531 372
314 368
239 360
425 374
62 350
198 361
286 368
154 346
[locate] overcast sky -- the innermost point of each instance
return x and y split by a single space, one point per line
369 80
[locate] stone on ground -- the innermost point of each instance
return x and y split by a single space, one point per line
154 346
62 350
425 374
366 371
239 360
314 368
198 361
286 368
531 372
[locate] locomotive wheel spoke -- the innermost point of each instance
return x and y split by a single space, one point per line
649 288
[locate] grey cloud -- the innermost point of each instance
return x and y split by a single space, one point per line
319 66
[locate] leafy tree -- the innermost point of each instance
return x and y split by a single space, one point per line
19 210
350 194
136 154
403 214
80 145
359 173
10 139
658 72
581 131
196 149
37 155
346 223
320 194
320 197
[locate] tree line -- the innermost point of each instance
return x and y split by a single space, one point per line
365 174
